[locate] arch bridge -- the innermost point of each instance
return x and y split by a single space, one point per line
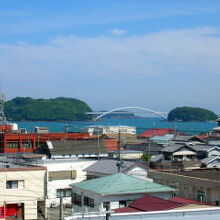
102 114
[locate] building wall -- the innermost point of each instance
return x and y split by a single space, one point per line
54 185
189 187
31 188
112 199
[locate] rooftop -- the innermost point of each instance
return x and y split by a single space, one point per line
121 184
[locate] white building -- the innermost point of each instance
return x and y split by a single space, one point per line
94 130
61 173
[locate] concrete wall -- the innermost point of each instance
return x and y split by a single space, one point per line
197 214
29 192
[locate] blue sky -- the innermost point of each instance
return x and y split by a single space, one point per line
112 53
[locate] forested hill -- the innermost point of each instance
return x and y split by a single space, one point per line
57 109
191 114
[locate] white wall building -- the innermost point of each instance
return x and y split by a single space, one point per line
61 173
94 130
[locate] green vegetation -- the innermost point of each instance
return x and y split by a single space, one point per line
145 157
191 114
58 109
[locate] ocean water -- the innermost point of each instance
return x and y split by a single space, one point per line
141 125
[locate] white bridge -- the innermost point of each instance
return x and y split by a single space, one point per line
102 114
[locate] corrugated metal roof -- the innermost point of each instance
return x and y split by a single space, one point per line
151 203
108 166
121 184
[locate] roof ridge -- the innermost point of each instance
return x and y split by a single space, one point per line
115 176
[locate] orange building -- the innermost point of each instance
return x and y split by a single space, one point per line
27 143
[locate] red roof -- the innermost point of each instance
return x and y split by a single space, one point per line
185 201
156 132
151 203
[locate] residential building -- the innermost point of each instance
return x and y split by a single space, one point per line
62 173
23 191
108 167
150 203
199 184
114 191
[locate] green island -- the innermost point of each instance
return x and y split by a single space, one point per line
191 114
57 109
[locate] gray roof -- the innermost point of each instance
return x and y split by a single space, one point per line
209 159
108 166
197 147
172 148
183 138
67 147
201 147
156 158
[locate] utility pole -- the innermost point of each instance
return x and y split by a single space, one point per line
107 213
119 162
98 142
61 208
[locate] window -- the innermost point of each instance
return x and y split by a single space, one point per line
122 204
64 193
77 199
12 145
62 175
12 184
88 201
201 196
27 144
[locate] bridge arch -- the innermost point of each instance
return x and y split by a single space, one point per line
161 114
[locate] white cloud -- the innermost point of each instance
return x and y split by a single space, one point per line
179 51
117 31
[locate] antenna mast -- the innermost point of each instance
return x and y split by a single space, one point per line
3 120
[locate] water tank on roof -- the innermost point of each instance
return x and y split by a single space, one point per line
14 126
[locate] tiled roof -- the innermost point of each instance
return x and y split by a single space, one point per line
121 184
155 132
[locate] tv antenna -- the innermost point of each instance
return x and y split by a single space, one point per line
3 119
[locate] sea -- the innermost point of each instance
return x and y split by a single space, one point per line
141 125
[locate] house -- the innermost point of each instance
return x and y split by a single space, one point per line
150 203
197 184
61 173
212 161
114 191
108 167
23 191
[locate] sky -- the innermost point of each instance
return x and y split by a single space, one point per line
112 53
